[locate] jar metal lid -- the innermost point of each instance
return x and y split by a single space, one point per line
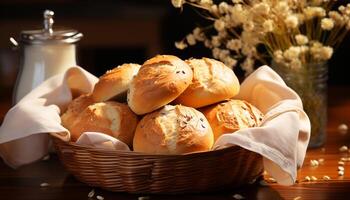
48 34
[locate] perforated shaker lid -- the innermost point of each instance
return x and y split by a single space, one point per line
48 34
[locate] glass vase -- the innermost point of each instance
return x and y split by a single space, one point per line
310 82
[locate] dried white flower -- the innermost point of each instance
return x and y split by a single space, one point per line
296 64
291 21
216 53
219 25
248 66
278 56
234 44
326 52
177 3
198 34
223 7
224 53
191 40
268 25
248 26
230 62
215 41
327 24
205 2
207 43
282 7
292 53
312 12
180 45
301 39
261 8
337 18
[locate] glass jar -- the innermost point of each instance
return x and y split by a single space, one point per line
45 53
310 82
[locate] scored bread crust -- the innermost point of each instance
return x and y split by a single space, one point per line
114 83
74 109
232 115
159 81
111 118
212 82
173 130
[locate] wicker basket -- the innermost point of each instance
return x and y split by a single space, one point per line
168 174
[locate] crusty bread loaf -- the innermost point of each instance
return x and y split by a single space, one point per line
212 82
112 118
173 130
114 83
232 115
160 80
75 108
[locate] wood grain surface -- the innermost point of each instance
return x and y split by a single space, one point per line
24 183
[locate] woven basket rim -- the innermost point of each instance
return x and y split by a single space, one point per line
133 153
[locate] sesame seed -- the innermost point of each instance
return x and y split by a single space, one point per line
325 177
47 157
321 160
343 148
343 129
91 193
99 197
307 178
238 196
343 159
44 184
314 163
313 178
341 168
297 198
341 173
341 163
143 198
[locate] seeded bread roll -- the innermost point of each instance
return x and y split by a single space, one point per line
114 83
160 80
112 118
212 82
75 108
232 115
173 130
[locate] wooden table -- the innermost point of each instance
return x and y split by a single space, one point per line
24 183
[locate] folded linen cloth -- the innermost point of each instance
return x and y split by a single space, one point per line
282 138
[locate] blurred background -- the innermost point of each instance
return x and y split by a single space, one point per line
116 32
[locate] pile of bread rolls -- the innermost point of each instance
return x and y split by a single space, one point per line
165 106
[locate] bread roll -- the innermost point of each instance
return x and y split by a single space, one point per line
114 83
160 80
232 115
75 108
212 82
112 118
173 130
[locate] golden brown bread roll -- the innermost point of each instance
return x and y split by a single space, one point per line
112 118
75 108
173 130
212 82
232 115
160 80
114 83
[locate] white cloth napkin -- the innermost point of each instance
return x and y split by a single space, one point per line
282 138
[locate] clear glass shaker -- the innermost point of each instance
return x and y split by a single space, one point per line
45 53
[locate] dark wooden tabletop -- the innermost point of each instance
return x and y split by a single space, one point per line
24 183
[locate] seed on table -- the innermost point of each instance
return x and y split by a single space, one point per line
143 198
343 129
343 148
91 193
297 198
321 160
323 149
341 168
325 177
238 196
307 178
313 178
99 197
341 163
272 180
314 163
47 157
341 173
44 184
